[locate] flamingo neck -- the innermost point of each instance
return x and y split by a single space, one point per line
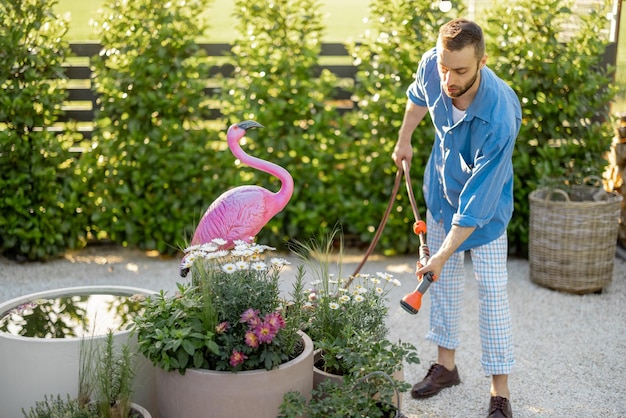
286 188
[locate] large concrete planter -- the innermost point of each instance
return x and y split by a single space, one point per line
31 368
203 393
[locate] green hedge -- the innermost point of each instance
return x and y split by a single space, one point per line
565 93
152 167
41 208
148 156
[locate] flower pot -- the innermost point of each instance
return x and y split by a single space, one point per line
203 393
33 367
139 411
319 375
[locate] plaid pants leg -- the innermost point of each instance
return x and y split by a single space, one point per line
496 333
446 293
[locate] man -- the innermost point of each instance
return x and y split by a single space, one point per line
468 188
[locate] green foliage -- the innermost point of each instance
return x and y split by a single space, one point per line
386 61
42 211
148 153
106 376
346 318
152 167
231 317
171 333
564 90
372 395
61 408
276 83
113 378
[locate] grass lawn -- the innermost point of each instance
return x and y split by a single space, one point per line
344 19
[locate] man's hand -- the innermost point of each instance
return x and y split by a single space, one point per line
454 239
403 150
435 265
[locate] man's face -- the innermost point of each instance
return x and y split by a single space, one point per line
458 70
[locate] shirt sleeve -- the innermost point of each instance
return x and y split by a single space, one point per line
416 91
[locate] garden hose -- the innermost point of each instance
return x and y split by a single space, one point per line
413 301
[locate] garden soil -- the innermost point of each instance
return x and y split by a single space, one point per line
570 349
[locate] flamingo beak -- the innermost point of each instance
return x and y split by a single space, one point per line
249 124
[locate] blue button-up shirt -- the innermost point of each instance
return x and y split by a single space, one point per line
468 179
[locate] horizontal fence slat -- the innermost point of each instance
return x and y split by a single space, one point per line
86 50
78 73
333 49
85 115
80 95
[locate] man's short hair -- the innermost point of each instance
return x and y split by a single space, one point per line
459 33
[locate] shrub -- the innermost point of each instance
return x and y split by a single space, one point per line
276 83
149 152
386 61
565 93
42 211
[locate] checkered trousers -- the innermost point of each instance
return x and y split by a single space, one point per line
446 295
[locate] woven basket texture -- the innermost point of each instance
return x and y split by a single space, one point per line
573 238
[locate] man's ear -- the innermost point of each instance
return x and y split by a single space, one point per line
483 62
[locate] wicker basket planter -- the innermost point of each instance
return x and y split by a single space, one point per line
573 238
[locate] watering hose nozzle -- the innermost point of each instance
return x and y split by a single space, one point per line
413 301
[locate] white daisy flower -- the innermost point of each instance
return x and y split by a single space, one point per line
279 262
192 248
219 241
259 266
229 268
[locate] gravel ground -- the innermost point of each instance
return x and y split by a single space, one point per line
570 349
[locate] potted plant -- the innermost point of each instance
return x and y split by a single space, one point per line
346 318
106 377
373 395
226 329
41 335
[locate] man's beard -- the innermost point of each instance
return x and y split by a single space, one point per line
462 90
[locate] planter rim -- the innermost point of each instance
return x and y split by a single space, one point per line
75 290
308 349
143 411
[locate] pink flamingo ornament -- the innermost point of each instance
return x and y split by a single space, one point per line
240 213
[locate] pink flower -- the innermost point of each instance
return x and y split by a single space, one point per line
253 322
264 332
251 339
249 315
237 358
222 327
275 320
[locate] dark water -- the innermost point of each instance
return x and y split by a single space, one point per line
71 316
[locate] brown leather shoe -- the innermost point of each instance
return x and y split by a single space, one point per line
500 407
437 378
